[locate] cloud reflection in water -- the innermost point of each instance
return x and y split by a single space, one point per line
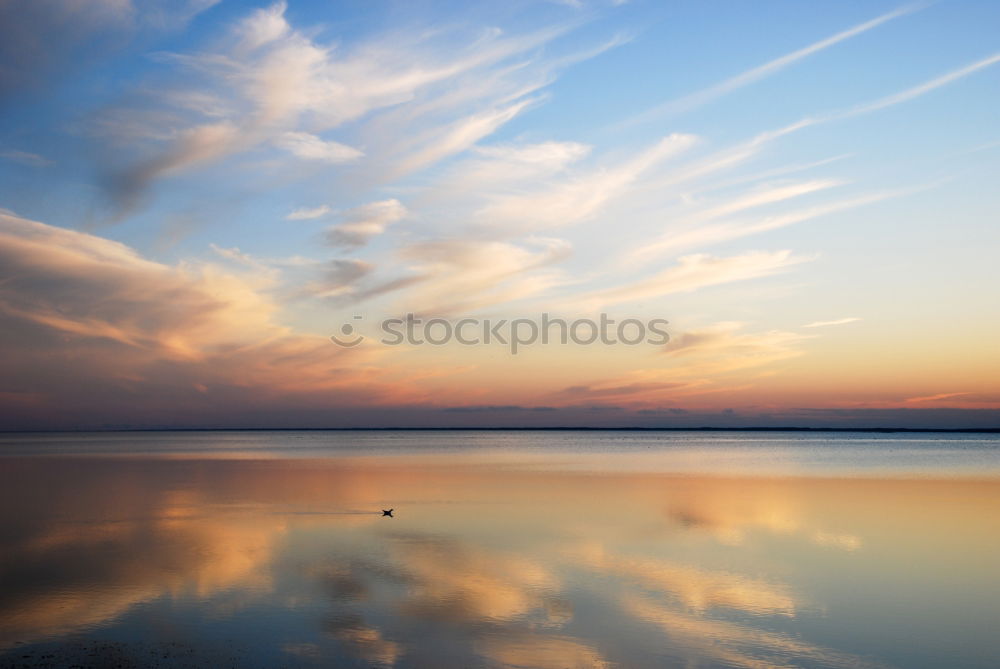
482 566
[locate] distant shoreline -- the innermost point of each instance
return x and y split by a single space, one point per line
881 430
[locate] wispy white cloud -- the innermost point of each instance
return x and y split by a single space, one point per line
491 170
764 196
697 271
578 196
547 155
921 89
839 321
170 14
263 26
755 74
690 232
697 362
338 278
308 213
460 276
364 222
269 83
310 147
731 157
25 158
726 338
455 137
270 265
884 102
933 398
193 146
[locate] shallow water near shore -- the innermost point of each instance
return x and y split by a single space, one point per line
504 549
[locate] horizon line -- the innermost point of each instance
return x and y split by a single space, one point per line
703 428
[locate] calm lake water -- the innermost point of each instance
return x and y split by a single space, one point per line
505 549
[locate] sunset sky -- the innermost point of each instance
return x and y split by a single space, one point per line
196 194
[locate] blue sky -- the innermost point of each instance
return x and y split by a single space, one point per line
746 170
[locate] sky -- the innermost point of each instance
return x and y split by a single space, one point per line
195 195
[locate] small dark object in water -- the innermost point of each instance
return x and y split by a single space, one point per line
387 513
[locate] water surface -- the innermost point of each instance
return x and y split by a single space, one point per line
505 549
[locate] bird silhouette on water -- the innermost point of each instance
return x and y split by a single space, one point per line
387 513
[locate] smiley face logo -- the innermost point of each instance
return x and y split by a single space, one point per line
347 330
